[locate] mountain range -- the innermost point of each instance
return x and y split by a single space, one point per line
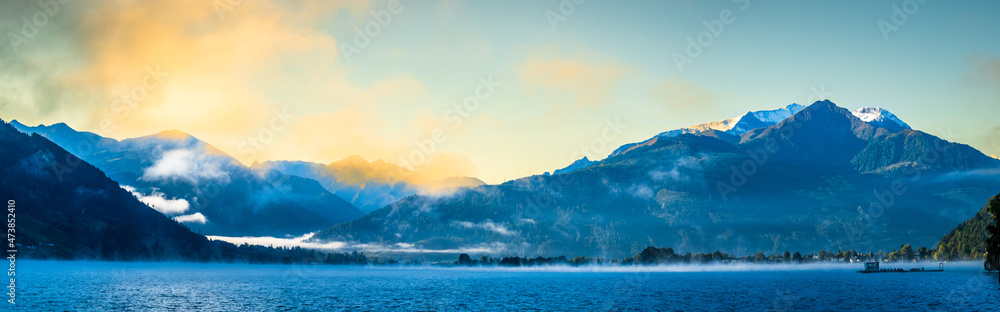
61 207
202 187
68 209
824 177
800 178
211 192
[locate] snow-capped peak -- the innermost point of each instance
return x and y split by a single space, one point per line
764 118
778 115
743 123
880 117
734 126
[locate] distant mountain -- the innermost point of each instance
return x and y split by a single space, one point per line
823 137
576 165
820 179
313 197
77 142
204 188
368 186
68 209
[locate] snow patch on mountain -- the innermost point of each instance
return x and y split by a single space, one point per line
743 123
778 115
880 117
735 126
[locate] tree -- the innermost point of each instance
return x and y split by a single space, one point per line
759 257
797 257
906 252
464 259
923 251
718 256
993 241
787 257
823 255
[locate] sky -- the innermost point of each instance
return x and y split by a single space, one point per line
496 90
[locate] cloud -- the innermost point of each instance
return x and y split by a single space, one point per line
987 70
307 241
590 84
957 176
445 164
673 174
300 241
640 191
984 76
495 248
39 163
991 143
209 56
197 217
219 75
361 127
679 94
186 165
686 163
486 225
159 202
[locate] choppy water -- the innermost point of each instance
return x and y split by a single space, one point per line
82 286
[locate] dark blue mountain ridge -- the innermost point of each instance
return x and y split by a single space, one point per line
81 213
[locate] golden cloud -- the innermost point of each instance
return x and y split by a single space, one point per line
679 94
209 68
987 69
221 73
591 84
446 164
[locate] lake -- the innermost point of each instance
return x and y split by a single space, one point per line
112 286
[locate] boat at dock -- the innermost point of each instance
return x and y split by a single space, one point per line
873 267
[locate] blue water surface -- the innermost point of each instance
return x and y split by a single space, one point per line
112 286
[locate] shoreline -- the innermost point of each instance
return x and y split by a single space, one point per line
589 268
